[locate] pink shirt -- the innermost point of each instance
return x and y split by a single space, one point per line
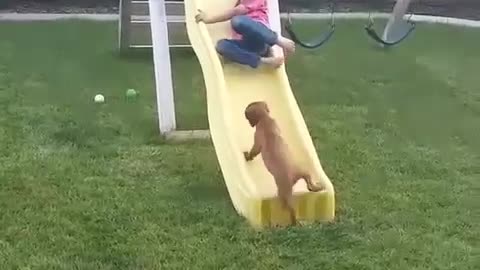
257 10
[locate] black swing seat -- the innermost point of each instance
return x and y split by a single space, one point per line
371 32
314 43
317 41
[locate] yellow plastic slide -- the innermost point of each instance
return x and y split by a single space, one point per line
230 88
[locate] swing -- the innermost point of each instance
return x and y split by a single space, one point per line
315 42
371 32
408 27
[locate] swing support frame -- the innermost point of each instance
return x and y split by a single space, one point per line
397 15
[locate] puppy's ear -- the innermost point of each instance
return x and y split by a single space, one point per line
265 107
251 115
254 112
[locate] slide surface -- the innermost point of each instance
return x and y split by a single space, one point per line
230 88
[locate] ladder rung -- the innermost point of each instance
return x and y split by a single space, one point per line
174 2
173 19
180 46
150 46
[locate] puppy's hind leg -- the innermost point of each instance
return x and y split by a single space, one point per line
308 179
286 199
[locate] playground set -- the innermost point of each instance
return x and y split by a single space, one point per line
164 25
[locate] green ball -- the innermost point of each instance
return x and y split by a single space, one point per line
131 93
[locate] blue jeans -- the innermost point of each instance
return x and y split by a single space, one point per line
255 43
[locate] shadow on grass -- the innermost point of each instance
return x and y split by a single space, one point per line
205 192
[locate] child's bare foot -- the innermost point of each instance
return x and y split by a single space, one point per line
287 45
274 61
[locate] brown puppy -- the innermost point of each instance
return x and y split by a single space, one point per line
276 155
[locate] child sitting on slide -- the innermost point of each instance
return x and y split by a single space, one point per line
252 38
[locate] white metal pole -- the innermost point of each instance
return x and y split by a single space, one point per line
162 65
398 12
274 15
274 20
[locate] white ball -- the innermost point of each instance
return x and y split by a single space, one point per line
99 99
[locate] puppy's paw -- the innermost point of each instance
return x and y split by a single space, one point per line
247 156
294 222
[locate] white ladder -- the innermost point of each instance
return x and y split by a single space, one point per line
134 25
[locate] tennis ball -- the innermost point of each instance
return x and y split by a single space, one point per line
99 99
131 93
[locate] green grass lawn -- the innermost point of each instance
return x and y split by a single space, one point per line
84 186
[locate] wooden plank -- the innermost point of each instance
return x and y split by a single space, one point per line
187 135
140 8
141 34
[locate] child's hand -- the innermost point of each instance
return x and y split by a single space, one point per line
200 17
